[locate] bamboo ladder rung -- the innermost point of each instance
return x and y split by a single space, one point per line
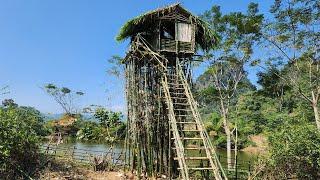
184 104
193 158
199 168
189 130
179 98
189 138
192 148
187 123
175 84
184 115
175 88
176 93
181 109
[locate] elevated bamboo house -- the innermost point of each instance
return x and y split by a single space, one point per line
165 133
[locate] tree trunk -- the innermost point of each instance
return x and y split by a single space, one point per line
235 148
316 115
228 134
224 112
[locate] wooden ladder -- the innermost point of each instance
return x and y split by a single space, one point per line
187 126
183 114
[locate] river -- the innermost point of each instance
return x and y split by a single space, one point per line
243 157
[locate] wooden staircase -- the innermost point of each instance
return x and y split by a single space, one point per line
187 129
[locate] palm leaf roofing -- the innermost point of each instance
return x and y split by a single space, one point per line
204 36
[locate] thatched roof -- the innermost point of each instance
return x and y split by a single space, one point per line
205 37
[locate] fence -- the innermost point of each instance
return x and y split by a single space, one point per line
240 169
85 155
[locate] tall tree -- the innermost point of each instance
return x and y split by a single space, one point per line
64 97
294 40
239 32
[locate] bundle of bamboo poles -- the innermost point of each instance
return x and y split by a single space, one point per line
148 141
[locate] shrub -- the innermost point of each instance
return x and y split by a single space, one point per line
294 152
20 130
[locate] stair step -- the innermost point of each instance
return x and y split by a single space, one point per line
175 84
198 168
182 115
188 138
179 98
189 130
185 104
193 158
180 109
186 123
175 93
192 148
176 88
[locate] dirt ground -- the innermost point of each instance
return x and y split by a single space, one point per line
67 170
84 175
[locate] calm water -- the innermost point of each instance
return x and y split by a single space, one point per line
97 148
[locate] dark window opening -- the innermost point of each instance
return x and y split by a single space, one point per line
168 30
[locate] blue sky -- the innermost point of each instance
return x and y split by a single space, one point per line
68 42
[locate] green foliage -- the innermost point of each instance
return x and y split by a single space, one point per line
107 118
295 151
90 131
20 131
272 84
292 37
109 127
238 31
226 79
9 103
117 67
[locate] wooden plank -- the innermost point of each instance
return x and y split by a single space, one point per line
199 168
186 122
192 148
189 138
189 130
193 158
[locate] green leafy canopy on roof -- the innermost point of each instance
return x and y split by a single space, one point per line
206 39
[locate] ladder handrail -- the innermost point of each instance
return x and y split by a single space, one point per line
176 135
204 133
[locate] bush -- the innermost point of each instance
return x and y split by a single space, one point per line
90 131
20 130
295 152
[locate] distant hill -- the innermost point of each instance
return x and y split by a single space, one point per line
49 116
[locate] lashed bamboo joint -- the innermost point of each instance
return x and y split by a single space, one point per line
163 119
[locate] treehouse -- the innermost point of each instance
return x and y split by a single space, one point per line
162 113
172 29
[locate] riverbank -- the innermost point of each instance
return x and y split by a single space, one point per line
260 145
